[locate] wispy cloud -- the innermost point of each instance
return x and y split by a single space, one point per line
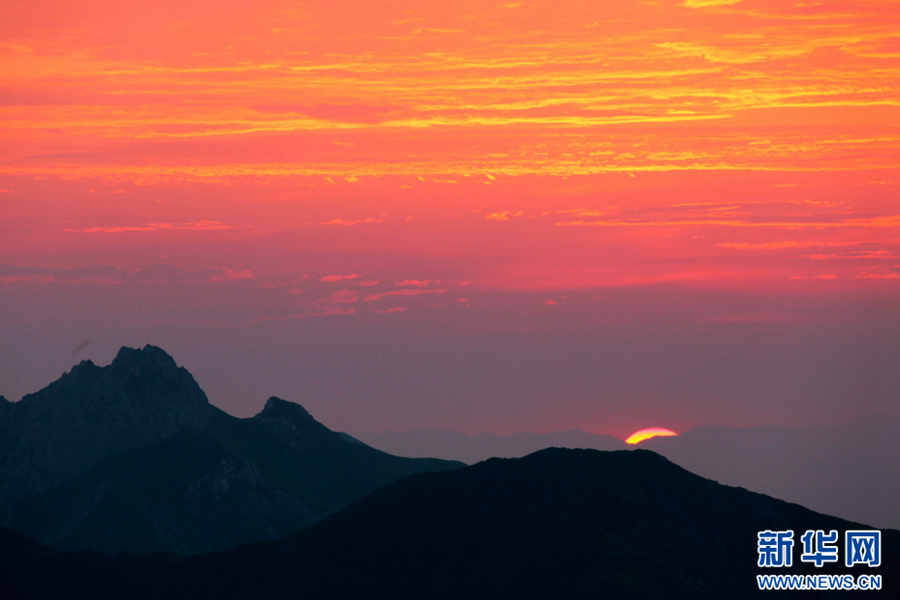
197 226
862 254
406 292
877 222
752 318
825 276
332 278
415 282
705 3
785 245
505 215
110 275
325 311
97 274
354 222
341 297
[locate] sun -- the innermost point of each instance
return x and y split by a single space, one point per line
647 433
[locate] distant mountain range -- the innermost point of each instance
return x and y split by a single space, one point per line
852 471
470 449
559 523
133 457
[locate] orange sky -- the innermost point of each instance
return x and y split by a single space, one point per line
469 147
706 131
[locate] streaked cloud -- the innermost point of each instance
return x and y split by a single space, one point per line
704 3
396 309
342 297
198 226
353 222
785 245
110 275
859 255
333 278
406 292
415 282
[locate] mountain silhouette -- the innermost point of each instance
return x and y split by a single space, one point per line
132 457
92 412
850 470
556 524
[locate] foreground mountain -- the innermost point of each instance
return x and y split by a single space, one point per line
851 470
556 524
133 457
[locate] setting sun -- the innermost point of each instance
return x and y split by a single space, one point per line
647 433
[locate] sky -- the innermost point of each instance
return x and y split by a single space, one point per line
514 216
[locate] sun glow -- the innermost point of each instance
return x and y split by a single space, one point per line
647 433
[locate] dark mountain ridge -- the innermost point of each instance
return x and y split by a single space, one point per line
556 524
133 457
850 470
93 412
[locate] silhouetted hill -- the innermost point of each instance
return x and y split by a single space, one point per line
470 449
133 457
850 470
557 524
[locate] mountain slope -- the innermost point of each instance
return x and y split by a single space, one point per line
851 470
322 468
556 524
133 457
175 495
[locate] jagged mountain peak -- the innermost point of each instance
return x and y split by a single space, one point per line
83 371
145 375
276 408
149 355
153 366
